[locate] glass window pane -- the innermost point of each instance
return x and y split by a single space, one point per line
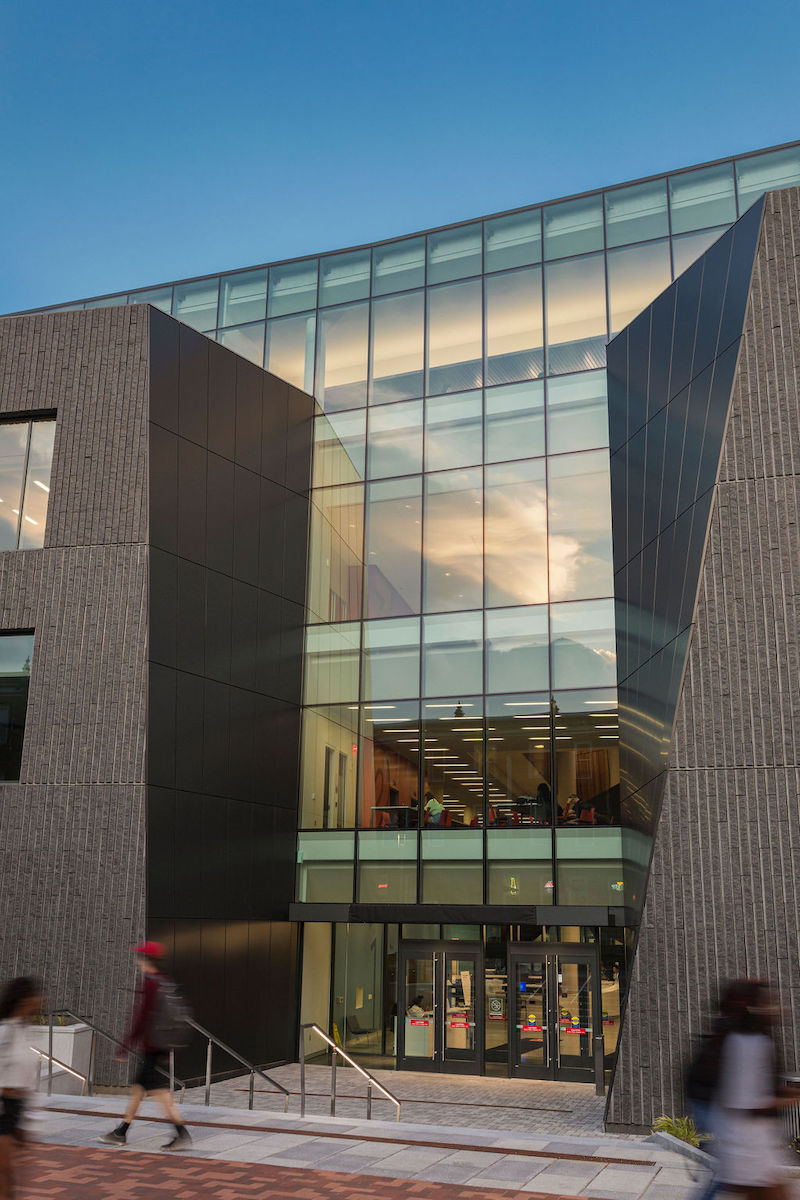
636 275
687 249
513 241
325 866
514 326
575 294
520 869
453 553
587 758
452 865
574 227
387 867
328 775
244 297
292 288
701 198
759 174
398 266
455 337
344 277
13 442
106 302
581 564
390 765
394 547
331 664
577 412
516 534
391 659
37 485
583 644
290 350
196 303
397 348
158 297
516 649
247 340
590 866
453 733
636 214
453 431
335 565
16 652
454 253
339 448
394 444
342 357
452 661
518 759
514 421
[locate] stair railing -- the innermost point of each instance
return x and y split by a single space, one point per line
372 1082
96 1033
254 1070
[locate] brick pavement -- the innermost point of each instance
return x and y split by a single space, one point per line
79 1173
511 1105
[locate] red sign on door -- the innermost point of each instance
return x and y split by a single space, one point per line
459 1024
532 1029
420 1022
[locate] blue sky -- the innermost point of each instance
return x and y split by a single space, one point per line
154 140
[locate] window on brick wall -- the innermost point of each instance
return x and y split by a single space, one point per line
26 455
16 654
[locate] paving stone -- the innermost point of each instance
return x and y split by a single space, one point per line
512 1170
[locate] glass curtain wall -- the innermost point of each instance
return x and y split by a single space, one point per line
460 649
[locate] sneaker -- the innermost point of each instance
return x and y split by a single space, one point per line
181 1141
114 1138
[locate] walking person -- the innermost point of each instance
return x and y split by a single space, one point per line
149 1031
751 1146
20 1001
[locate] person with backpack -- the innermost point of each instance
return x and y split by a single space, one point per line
749 1096
21 1000
155 1027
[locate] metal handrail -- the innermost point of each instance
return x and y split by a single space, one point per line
97 1031
371 1080
70 1070
215 1041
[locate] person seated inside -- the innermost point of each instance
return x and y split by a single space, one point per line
566 811
433 809
416 1009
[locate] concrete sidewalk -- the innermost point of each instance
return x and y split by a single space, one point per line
601 1166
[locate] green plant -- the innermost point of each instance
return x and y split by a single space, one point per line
682 1128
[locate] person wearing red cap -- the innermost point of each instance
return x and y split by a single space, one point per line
143 1032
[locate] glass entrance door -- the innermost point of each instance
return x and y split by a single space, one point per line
440 1008
554 1009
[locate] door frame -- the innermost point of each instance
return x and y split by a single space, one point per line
437 950
548 953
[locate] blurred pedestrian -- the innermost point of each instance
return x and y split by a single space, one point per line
751 1145
21 1000
149 1030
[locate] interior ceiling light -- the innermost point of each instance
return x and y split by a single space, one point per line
43 486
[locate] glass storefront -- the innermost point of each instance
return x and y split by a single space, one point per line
536 1001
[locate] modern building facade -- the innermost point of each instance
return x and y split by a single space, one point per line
455 863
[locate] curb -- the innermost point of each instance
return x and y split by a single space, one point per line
694 1152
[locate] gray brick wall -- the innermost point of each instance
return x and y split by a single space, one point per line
722 898
72 836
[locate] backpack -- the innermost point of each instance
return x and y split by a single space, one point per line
702 1074
169 1028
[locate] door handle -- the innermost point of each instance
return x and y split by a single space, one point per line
438 1018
